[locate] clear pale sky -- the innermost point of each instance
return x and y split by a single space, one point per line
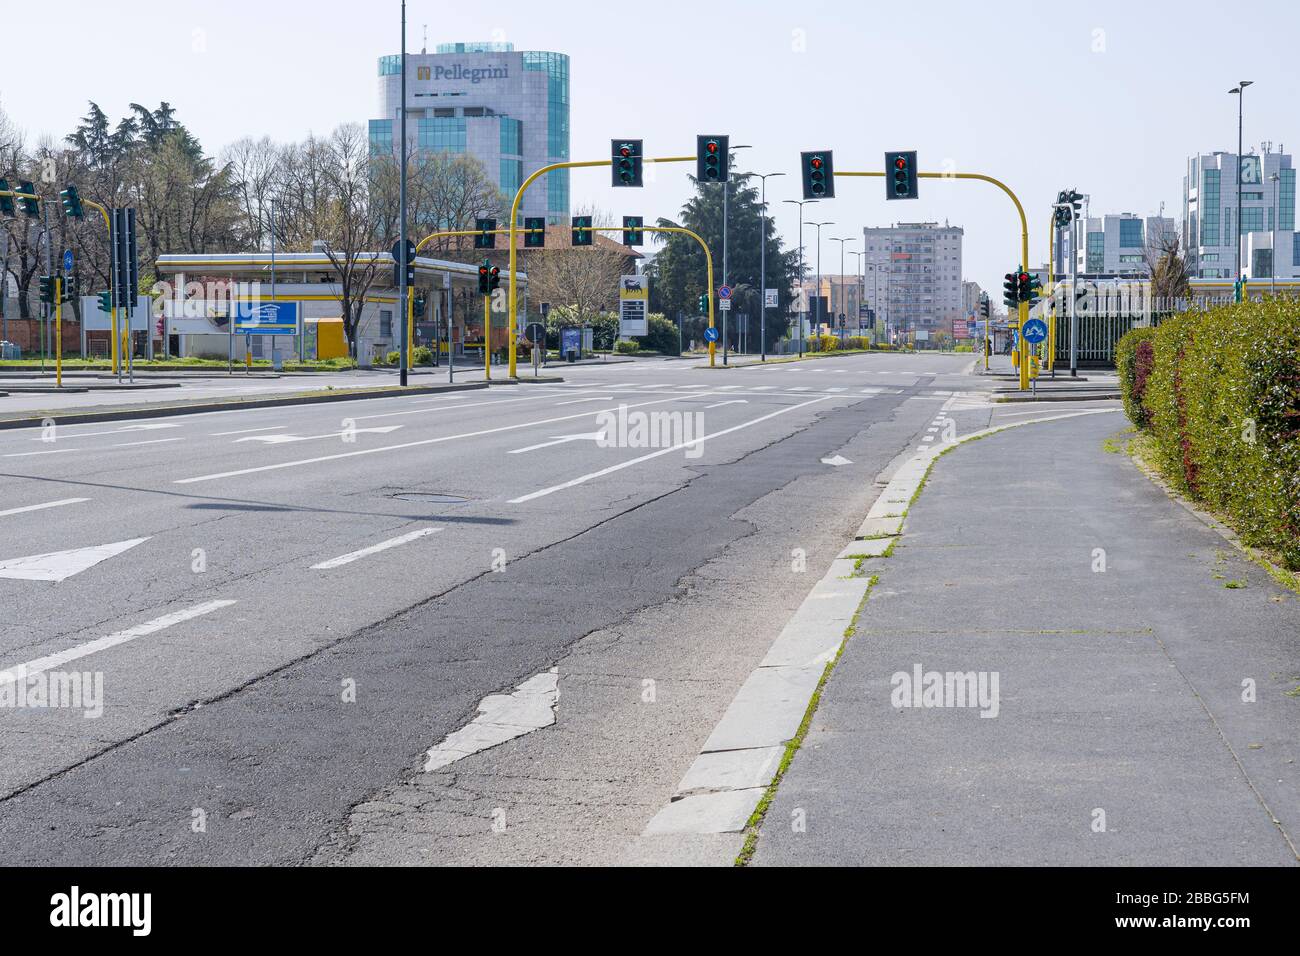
1107 97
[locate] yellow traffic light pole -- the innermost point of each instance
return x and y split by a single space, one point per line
113 333
679 230
58 332
514 219
1051 294
1023 312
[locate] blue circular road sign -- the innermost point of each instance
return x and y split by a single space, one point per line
724 292
1035 331
710 335
67 260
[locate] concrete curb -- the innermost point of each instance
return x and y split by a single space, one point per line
741 757
202 406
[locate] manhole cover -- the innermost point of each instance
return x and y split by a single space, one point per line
428 498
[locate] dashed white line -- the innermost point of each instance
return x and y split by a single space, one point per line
41 507
373 549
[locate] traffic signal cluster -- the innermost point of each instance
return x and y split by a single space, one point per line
489 277
632 231
72 207
67 288
581 231
1068 203
1020 287
900 175
534 232
818 170
486 237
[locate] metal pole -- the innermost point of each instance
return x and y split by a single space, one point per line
275 339
451 346
762 275
805 298
4 287
401 214
1074 292
1272 272
49 271
1241 99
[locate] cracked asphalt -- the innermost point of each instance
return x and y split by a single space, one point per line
290 726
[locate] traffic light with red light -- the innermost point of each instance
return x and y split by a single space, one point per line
900 175
711 158
494 278
625 156
484 277
818 169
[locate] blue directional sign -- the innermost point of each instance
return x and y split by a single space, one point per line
67 260
1035 331
266 318
710 335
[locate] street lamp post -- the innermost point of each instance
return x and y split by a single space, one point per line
843 308
401 215
817 309
800 203
762 264
1272 242
1240 92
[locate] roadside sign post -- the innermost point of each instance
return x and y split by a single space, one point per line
724 303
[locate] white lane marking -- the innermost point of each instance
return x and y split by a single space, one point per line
246 431
29 454
49 504
286 439
837 389
60 565
579 401
736 401
837 461
41 664
801 388
148 426
663 451
763 388
501 717
871 391
373 549
448 408
729 388
562 439
151 441
404 445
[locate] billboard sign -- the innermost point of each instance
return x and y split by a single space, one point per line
633 305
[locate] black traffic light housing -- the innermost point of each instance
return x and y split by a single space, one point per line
984 306
1010 290
581 226
818 169
535 232
486 237
106 302
30 206
625 165
72 207
68 288
418 305
7 207
712 156
632 234
703 303
484 277
47 289
494 278
901 175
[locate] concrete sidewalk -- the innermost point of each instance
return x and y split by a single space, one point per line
1122 728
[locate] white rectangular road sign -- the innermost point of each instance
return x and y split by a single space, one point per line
724 305
770 298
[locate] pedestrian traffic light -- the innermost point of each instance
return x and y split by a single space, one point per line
30 206
1010 290
486 237
818 174
900 175
418 305
484 277
72 202
535 232
625 155
494 278
47 289
632 234
7 207
106 302
704 303
581 227
711 158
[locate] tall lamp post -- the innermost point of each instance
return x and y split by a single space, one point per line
843 310
1275 179
762 262
1239 91
817 308
800 203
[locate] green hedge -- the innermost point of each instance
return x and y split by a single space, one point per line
1219 392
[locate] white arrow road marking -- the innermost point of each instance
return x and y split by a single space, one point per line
61 565
287 439
736 401
582 479
49 504
121 637
373 549
560 440
836 461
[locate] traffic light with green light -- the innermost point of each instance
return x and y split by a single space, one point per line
581 230
711 158
30 206
704 303
106 302
625 156
535 232
900 175
818 168
72 202
632 234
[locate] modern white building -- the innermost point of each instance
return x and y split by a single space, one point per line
1267 210
1117 244
508 109
919 287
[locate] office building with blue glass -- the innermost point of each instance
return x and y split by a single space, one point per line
508 109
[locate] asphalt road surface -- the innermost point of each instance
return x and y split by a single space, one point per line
288 607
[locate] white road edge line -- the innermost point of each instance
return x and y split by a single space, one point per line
374 549
663 451
49 504
121 637
29 454
409 444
